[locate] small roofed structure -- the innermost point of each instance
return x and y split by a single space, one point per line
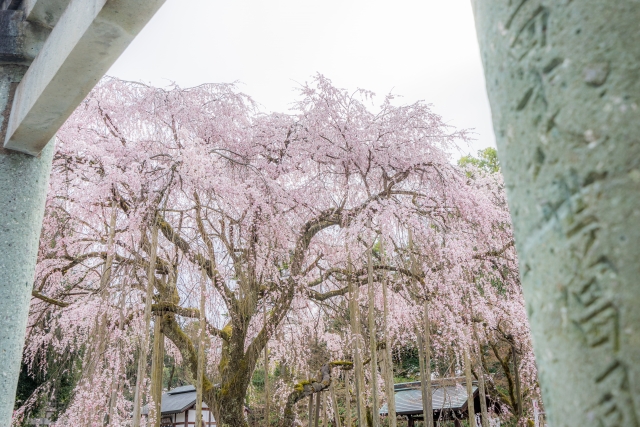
178 409
448 397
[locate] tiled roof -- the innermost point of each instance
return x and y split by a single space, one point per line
183 389
176 400
444 396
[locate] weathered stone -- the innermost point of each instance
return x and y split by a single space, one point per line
563 79
596 73
44 12
20 41
23 187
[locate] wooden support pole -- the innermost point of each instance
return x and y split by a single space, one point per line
334 404
469 383
516 375
97 344
373 342
325 421
144 345
316 420
115 381
200 369
387 357
311 410
347 399
481 385
355 330
427 367
266 368
157 367
424 345
426 396
105 279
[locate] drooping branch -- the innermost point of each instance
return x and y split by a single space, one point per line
357 278
323 296
193 313
73 261
48 300
167 307
494 253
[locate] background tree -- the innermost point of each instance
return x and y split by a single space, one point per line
270 208
487 160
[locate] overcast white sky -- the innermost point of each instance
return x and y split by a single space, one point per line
418 49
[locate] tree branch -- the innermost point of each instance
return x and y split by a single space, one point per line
48 300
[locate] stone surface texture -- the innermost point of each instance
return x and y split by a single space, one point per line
563 78
44 12
23 188
21 40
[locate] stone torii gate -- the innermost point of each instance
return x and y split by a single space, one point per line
52 53
564 87
563 78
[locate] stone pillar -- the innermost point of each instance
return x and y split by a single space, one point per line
23 188
87 39
563 78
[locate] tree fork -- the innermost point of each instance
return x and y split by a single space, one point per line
562 79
